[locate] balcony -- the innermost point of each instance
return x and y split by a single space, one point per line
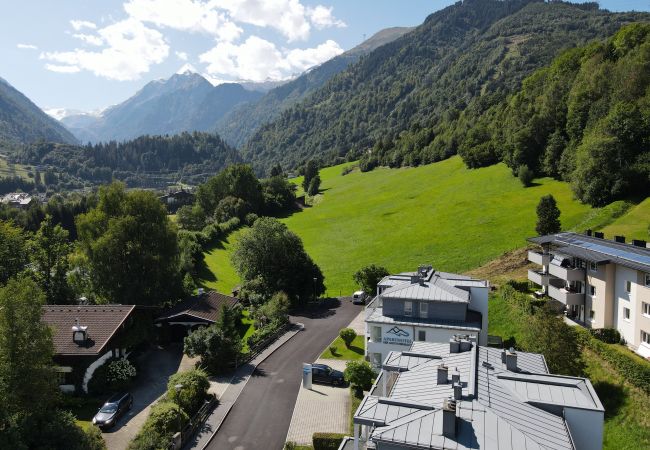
559 292
566 273
539 258
538 277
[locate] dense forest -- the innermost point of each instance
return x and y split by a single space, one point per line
145 161
411 101
584 119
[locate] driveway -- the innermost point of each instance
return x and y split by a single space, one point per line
261 415
155 366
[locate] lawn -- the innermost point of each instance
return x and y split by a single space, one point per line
83 408
355 352
633 225
245 328
11 170
218 272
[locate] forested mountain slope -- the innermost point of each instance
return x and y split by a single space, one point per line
242 122
21 121
584 119
407 96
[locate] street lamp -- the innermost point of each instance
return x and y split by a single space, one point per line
314 285
178 388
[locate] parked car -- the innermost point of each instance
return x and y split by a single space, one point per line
114 408
359 298
321 373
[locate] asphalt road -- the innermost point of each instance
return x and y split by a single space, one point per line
260 418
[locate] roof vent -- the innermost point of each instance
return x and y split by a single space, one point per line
599 234
619 239
587 232
511 359
454 345
638 243
458 391
449 418
79 333
443 374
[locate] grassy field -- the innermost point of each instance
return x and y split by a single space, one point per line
444 214
9 170
245 328
355 352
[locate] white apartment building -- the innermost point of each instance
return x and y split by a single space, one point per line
602 283
427 306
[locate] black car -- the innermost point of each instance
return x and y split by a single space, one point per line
113 409
320 373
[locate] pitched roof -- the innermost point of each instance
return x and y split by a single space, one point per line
206 307
434 289
103 321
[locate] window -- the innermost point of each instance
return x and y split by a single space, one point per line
375 334
422 335
645 307
408 308
593 266
628 286
647 279
424 307
645 337
626 313
592 290
592 314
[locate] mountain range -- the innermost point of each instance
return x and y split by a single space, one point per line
21 121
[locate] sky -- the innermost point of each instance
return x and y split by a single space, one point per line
89 54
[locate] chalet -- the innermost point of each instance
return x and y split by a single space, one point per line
200 311
17 200
85 337
176 199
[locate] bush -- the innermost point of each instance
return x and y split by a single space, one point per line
113 375
165 419
607 335
333 349
274 313
348 335
327 441
251 218
359 374
634 369
218 350
193 393
525 175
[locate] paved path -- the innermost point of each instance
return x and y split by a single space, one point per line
260 418
156 366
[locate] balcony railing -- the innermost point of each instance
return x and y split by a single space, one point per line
538 277
539 258
566 273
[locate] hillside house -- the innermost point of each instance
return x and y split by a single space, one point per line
459 395
428 306
601 283
176 199
17 200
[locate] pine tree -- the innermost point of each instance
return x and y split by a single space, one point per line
548 216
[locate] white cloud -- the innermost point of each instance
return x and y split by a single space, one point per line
81 24
62 68
185 15
181 55
89 39
257 59
131 49
26 47
322 17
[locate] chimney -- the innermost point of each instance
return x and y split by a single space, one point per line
619 239
465 344
455 376
638 243
511 359
587 232
458 391
454 345
503 356
599 234
79 333
449 418
443 372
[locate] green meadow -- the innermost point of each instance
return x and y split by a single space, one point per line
444 214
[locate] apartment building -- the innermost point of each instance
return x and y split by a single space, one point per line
602 283
426 305
458 395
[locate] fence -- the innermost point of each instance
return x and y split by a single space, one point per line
187 433
261 346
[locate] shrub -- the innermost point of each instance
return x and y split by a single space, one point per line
251 218
113 375
359 374
525 175
607 335
348 335
290 445
327 441
193 393
634 369
274 313
165 419
218 351
333 349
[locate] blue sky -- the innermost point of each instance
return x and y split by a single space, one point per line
89 54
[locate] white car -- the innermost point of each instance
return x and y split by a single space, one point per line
359 298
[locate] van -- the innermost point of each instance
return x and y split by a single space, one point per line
359 298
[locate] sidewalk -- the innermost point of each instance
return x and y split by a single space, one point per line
232 391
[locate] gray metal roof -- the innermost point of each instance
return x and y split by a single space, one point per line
498 409
435 289
591 248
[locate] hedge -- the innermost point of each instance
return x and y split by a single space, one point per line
327 441
607 335
634 370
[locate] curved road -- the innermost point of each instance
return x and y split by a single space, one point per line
261 415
